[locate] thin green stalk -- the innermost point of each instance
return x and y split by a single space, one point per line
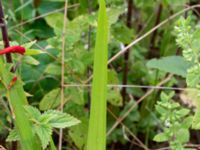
17 100
97 123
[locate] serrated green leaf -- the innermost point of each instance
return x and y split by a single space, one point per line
60 120
32 112
44 133
13 136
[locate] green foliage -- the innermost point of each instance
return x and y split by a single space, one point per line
13 136
33 52
43 124
17 100
113 94
50 100
122 33
174 64
79 133
175 121
41 74
188 39
97 122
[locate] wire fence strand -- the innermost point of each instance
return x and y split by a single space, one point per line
133 86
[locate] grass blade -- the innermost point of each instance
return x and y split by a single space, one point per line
97 123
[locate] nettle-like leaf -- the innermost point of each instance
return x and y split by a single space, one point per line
44 123
13 136
32 112
44 132
58 119
54 118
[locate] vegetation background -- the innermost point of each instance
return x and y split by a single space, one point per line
152 59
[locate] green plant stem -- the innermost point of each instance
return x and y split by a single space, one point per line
17 100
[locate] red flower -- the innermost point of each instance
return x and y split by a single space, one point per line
13 49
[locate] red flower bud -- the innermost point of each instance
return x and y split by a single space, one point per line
13 49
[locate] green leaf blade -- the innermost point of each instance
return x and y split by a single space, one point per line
97 123
172 64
